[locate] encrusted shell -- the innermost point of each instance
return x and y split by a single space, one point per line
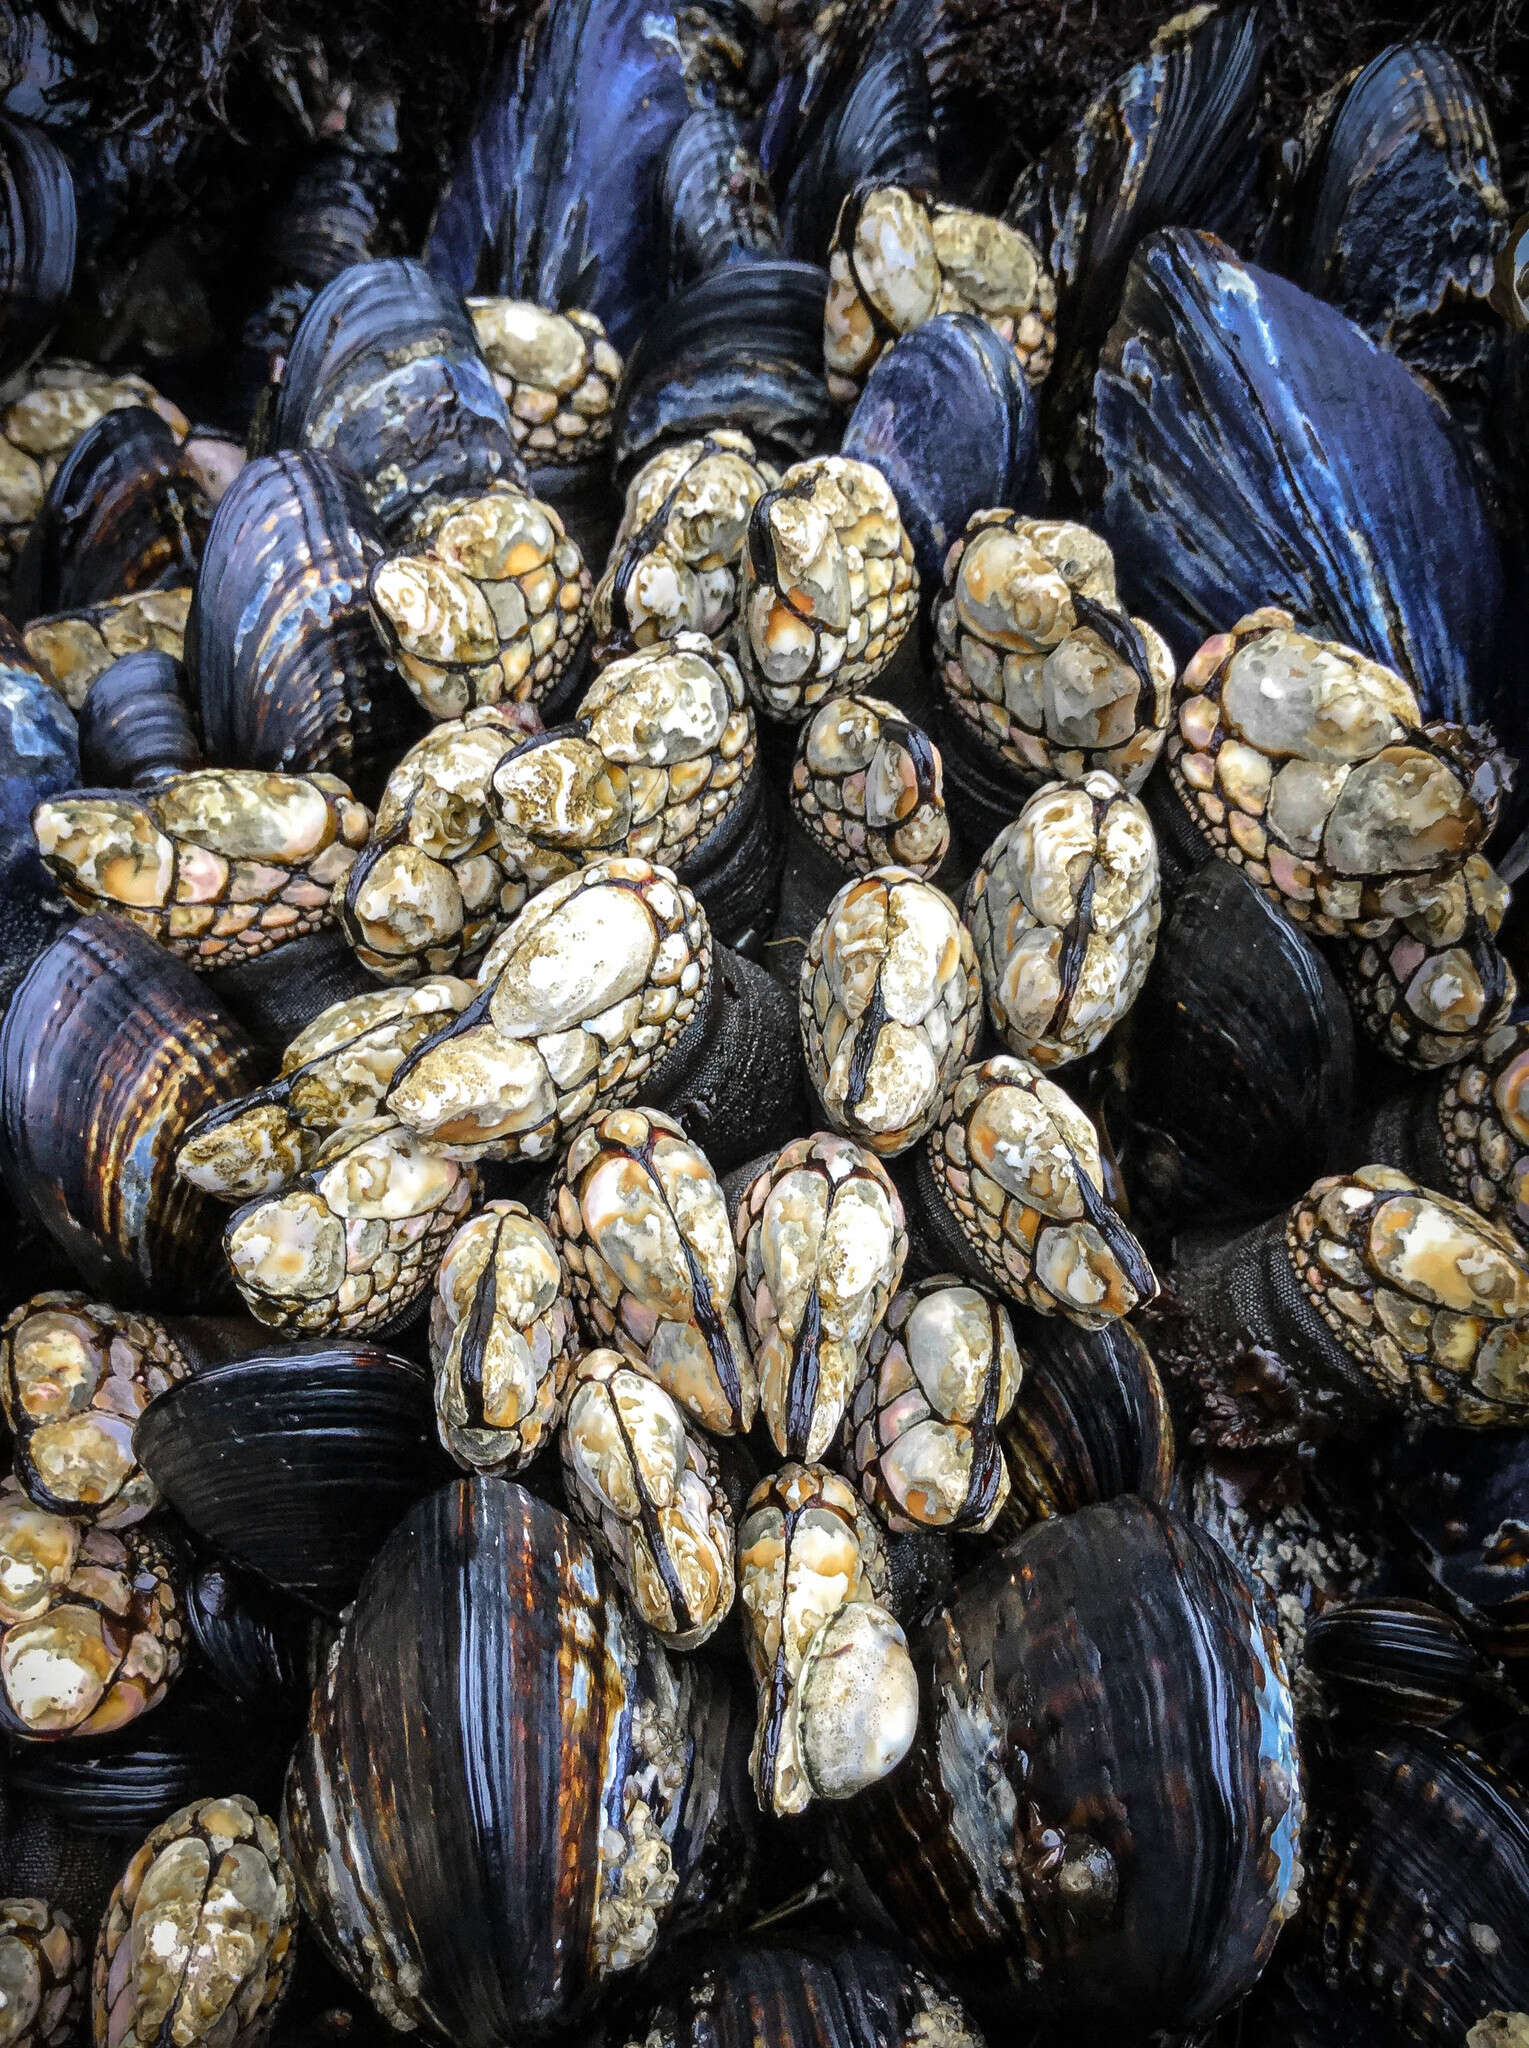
1063 910
899 256
822 1244
1017 1164
581 997
432 883
676 562
556 372
923 1431
1483 1113
1037 652
1431 1300
91 1626
890 1004
647 1484
355 1239
73 648
334 1073
488 606
42 1975
219 865
74 1377
677 720
196 1945
867 786
838 1698
1303 763
501 1339
829 585
1433 987
642 1226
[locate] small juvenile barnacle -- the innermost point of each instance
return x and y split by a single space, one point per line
822 1244
829 585
1015 1165
72 648
579 999
91 1627
1063 910
428 889
1307 765
677 559
641 1223
74 1377
42 1975
838 1696
1038 653
647 1483
868 788
923 1432
335 1072
1431 988
218 865
501 1339
196 1944
487 606
556 372
890 1002
354 1239
899 256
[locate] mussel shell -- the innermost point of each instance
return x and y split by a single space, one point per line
1255 448
257 1643
296 1463
290 673
39 756
1240 1058
109 1051
1107 1676
125 512
1089 1423
948 418
1461 1499
717 207
470 1766
741 348
385 376
135 723
879 129
1392 1660
37 239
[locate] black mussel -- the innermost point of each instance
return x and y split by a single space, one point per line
890 1002
740 348
197 1941
1392 1660
73 648
135 723
716 203
1369 1296
385 377
125 512
1090 1422
37 234
845 1994
826 136
1356 505
1172 142
1413 1924
947 417
289 671
259 1645
42 1974
1239 1058
217 865
1458 1499
572 222
109 1051
296 1463
509 1793
39 756
1100 1816
92 1625
1395 209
